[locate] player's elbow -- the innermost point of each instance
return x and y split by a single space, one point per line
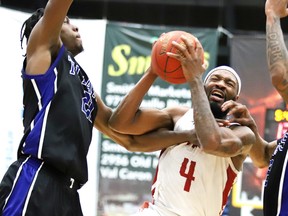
210 143
129 144
210 146
118 128
114 124
277 74
132 145
123 128
259 162
260 165
131 148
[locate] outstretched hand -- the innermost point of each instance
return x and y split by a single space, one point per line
276 8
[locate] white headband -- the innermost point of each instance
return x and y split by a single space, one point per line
227 68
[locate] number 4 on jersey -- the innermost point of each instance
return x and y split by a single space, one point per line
188 175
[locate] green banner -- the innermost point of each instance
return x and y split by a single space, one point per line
125 178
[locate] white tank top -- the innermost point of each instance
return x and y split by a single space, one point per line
190 182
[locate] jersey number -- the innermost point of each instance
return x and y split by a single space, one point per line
189 174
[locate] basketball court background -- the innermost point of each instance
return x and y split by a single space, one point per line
115 57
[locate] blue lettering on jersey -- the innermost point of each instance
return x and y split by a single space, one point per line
268 172
281 144
87 101
74 67
89 95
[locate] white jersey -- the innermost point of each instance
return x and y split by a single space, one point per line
190 182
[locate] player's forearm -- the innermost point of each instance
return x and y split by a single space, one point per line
277 56
259 150
161 139
126 112
275 44
259 153
206 127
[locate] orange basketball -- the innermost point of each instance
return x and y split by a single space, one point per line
169 69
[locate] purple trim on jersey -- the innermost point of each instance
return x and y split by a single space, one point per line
45 86
27 76
17 198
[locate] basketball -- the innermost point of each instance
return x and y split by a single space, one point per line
167 68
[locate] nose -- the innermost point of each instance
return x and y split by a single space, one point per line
75 28
221 84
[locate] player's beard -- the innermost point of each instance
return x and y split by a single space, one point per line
216 110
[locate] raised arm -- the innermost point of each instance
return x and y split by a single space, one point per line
277 56
44 41
261 150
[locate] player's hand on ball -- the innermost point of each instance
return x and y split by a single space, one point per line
169 68
191 57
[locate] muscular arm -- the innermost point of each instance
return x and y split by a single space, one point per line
221 141
151 141
277 56
129 118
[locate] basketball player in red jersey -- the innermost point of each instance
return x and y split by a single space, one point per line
192 179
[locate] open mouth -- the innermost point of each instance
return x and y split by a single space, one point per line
217 95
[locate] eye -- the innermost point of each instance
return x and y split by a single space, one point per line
214 79
230 84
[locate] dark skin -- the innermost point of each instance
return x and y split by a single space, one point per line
277 55
277 59
234 142
261 151
55 29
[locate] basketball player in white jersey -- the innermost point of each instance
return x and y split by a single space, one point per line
192 179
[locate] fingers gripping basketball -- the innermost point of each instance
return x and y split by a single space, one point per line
169 69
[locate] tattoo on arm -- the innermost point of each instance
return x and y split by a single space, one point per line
277 56
275 49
